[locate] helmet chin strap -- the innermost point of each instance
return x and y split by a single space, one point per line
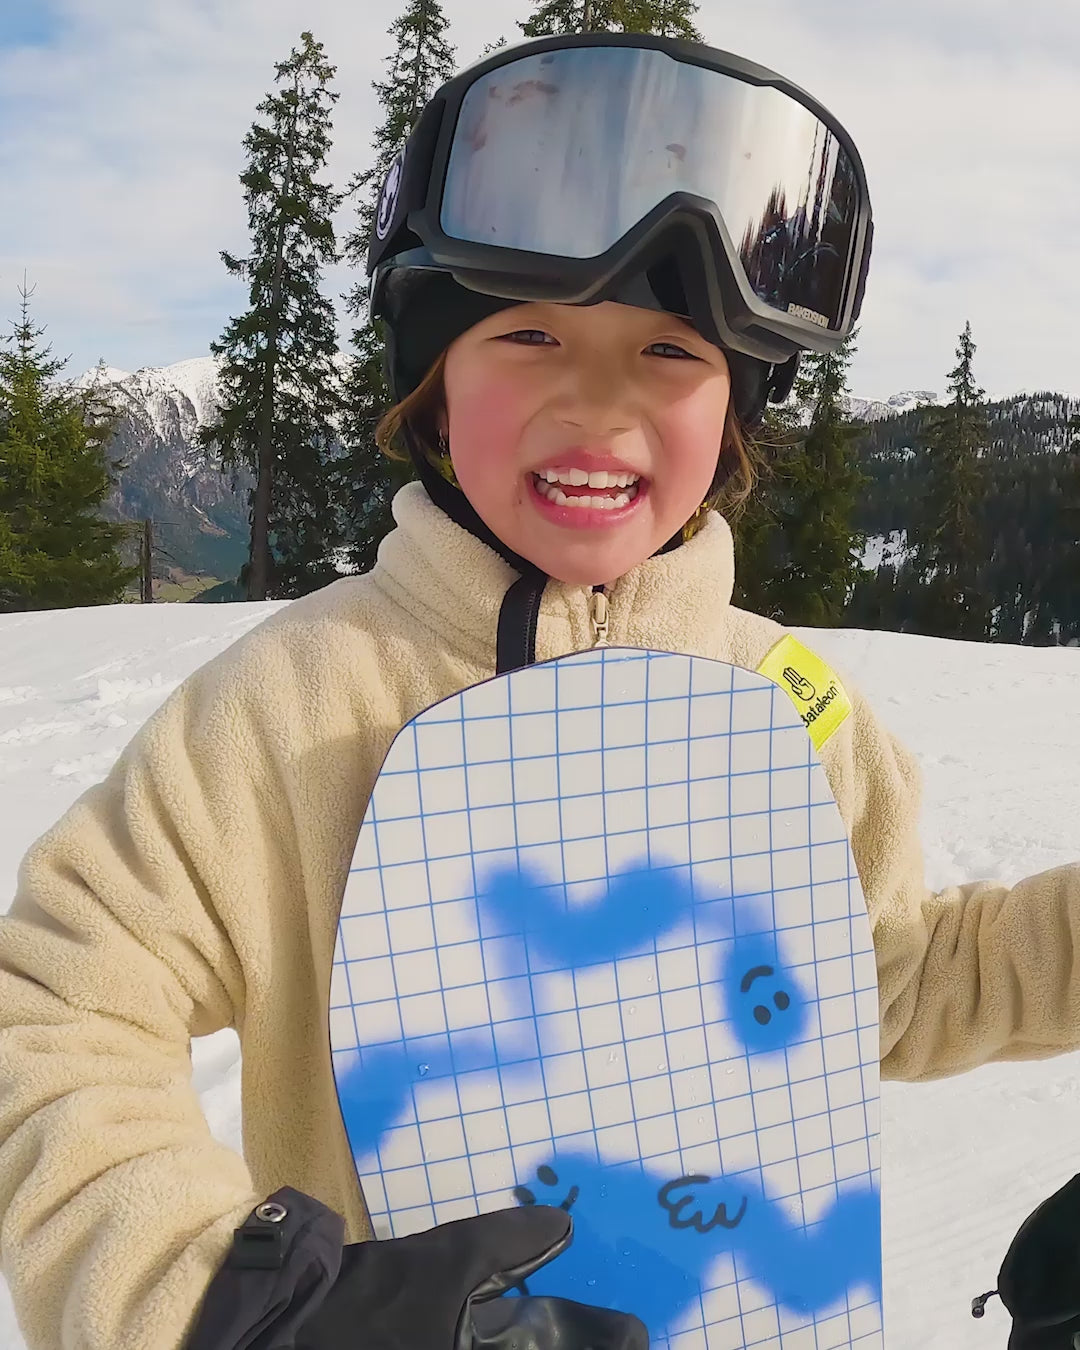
457 506
515 642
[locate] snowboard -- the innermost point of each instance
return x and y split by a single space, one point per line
603 945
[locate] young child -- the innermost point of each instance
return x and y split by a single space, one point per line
597 187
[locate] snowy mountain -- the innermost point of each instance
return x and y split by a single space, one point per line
872 410
200 520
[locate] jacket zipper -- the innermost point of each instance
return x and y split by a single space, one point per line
598 616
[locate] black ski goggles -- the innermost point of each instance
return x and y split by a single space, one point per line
555 169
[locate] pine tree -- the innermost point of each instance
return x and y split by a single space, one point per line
823 547
280 386
56 552
797 547
367 480
949 535
758 528
1063 585
667 18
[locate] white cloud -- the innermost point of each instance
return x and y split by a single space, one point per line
121 150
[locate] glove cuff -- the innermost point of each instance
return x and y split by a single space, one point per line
283 1261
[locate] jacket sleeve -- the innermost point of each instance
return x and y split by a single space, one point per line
117 1205
977 972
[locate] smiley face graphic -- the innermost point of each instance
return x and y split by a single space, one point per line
782 999
767 1010
549 1177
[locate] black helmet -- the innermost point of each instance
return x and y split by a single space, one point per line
628 167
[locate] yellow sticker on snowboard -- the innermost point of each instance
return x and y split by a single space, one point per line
817 694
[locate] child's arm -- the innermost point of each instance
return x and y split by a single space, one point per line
978 972
117 1206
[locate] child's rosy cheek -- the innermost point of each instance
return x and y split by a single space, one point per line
491 419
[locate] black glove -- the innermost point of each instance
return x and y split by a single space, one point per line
1039 1279
439 1290
552 1324
290 1284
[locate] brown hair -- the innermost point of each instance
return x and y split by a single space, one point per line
420 409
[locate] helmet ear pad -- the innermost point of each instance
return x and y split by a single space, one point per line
783 378
755 383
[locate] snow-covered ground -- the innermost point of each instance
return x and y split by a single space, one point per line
997 730
880 548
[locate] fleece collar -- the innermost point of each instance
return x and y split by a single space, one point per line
452 582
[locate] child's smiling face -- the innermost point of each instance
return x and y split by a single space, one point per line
527 387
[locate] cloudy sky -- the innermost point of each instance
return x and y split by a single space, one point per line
120 148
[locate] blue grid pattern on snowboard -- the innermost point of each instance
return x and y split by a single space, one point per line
812 1128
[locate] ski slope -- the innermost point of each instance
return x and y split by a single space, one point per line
997 731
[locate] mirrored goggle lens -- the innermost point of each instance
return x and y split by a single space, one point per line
562 153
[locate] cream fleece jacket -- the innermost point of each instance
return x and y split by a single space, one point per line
198 887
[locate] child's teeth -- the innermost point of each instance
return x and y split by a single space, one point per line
579 478
554 493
